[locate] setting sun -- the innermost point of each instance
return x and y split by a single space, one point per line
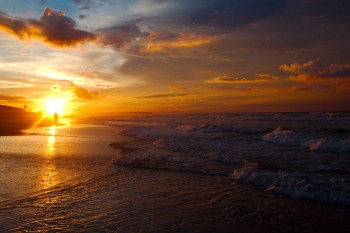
55 105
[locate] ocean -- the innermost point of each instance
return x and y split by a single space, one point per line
234 172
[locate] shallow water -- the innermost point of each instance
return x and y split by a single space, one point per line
75 185
302 155
51 156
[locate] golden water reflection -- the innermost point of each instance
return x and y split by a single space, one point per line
51 149
49 176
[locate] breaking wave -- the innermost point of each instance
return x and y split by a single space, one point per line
281 136
303 158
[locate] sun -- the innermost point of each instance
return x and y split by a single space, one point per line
55 105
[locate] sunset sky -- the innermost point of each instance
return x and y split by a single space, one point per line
176 56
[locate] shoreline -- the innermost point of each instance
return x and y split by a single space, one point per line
135 199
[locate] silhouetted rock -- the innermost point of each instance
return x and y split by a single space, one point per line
13 120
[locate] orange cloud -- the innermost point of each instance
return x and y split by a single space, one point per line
157 42
257 79
53 28
166 95
81 93
56 29
75 92
317 71
16 99
15 27
296 67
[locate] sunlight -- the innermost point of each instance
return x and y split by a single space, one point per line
49 175
51 149
53 130
55 105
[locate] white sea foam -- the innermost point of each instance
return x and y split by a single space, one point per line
335 144
298 185
328 145
287 153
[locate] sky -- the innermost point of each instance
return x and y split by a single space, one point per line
176 56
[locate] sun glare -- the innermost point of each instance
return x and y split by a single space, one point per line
55 105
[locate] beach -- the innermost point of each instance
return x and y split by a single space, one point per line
176 174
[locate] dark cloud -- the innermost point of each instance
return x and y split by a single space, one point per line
230 14
81 1
336 70
82 16
16 27
229 29
308 88
188 24
53 27
120 36
300 88
167 95
282 26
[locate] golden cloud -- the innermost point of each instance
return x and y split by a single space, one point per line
317 71
296 67
230 79
158 42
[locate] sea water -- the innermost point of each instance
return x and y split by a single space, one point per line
301 155
244 172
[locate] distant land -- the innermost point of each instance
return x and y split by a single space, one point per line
13 120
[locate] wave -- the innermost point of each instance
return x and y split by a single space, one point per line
310 160
321 188
203 128
286 137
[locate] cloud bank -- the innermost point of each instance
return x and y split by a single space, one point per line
15 99
315 70
53 27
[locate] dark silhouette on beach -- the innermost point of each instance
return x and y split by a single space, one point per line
13 120
55 118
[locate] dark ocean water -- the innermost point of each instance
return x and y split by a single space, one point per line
281 172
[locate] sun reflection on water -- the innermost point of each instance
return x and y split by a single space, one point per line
51 149
49 174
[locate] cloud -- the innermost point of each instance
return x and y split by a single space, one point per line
120 36
224 14
296 67
16 99
316 70
161 42
231 79
267 77
53 28
136 38
81 16
167 95
65 87
81 93
310 86
16 27
336 70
